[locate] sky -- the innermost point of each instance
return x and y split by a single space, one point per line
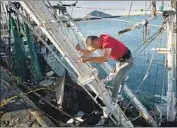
110 7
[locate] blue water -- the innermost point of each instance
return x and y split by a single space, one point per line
154 83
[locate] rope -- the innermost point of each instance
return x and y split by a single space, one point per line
73 7
129 11
42 40
160 38
15 78
6 101
49 50
162 93
127 17
123 21
154 8
140 48
144 78
66 32
106 8
155 36
148 9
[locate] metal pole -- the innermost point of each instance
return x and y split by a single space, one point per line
0 18
9 39
171 55
154 13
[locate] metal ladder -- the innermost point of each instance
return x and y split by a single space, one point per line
87 77
107 68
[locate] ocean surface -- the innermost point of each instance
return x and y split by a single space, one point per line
154 82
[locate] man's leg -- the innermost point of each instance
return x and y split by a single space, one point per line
121 72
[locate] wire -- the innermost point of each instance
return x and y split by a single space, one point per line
7 100
154 37
42 40
127 17
157 70
160 39
3 103
46 46
140 48
113 19
73 7
15 78
144 78
129 11
148 9
107 8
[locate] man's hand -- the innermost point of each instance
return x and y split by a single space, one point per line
113 70
78 48
99 59
85 52
82 59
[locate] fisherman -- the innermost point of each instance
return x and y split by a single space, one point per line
111 48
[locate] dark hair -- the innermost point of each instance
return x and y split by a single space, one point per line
92 38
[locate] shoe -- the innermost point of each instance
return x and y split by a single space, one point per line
110 77
120 98
115 100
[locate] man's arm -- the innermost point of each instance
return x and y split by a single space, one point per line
85 52
103 58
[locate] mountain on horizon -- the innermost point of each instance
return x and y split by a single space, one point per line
97 14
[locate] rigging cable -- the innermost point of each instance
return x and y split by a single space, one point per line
113 19
162 94
160 39
154 13
43 41
129 11
73 7
157 34
7 100
144 78
29 89
140 48
127 17
107 8
157 69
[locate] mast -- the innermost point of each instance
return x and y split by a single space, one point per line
0 19
171 56
154 13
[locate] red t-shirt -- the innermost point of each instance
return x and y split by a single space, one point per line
118 48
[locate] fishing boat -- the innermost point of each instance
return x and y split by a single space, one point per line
39 58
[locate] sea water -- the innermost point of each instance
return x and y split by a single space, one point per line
156 80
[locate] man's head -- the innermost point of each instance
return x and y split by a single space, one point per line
92 42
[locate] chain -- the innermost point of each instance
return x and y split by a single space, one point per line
143 34
145 31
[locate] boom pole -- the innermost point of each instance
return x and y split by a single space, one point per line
171 56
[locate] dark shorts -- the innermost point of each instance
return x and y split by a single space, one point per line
126 56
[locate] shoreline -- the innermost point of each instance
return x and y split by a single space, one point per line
116 16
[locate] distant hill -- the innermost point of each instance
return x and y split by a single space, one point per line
96 15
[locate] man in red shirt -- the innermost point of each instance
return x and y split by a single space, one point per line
111 48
